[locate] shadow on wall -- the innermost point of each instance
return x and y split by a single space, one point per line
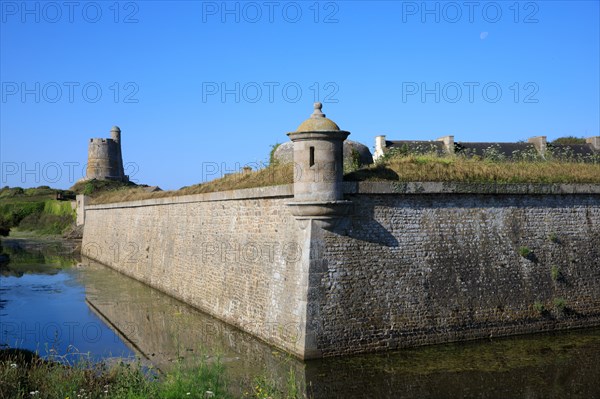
362 225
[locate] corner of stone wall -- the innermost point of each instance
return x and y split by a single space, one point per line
81 203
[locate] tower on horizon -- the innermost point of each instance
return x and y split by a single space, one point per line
105 160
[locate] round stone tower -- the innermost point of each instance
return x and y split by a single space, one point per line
105 161
318 166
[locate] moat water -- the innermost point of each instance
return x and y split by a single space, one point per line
55 304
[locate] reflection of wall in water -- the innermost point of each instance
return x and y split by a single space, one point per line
545 371
163 328
35 256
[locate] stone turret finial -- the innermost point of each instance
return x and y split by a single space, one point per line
115 129
317 112
318 122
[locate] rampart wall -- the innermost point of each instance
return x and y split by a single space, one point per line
234 255
410 264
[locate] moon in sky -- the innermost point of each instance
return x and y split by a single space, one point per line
483 35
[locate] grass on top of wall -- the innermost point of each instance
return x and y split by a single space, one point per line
413 168
273 175
406 168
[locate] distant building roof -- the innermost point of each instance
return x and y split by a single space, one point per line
417 146
508 150
570 150
534 147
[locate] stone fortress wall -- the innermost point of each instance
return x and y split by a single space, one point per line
323 268
233 255
408 267
436 265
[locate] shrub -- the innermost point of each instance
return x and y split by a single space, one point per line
560 304
25 375
46 223
554 273
353 163
46 217
272 159
13 213
568 140
493 154
539 307
89 188
525 252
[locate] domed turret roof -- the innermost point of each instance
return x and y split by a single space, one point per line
317 122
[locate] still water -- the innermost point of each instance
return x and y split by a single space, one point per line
50 301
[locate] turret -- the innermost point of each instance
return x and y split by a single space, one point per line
318 167
115 134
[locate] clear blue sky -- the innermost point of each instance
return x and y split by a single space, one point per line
161 68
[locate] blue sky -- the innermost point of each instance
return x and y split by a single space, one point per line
202 88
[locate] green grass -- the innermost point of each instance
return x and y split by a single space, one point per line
18 194
539 307
94 186
525 252
35 210
35 219
560 304
26 375
569 140
46 218
553 237
83 379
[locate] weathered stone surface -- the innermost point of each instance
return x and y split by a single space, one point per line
412 264
371 187
105 160
427 268
238 260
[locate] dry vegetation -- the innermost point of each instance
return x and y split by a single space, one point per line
397 168
444 169
270 176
